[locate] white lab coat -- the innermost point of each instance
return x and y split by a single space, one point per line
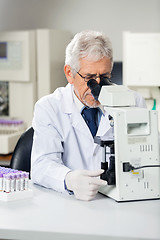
62 140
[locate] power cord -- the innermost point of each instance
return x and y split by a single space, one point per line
127 167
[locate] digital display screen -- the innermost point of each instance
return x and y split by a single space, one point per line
3 50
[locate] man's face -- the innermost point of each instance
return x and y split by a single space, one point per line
81 89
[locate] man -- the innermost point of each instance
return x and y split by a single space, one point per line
64 155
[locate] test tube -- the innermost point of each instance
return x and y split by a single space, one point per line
1 181
4 172
22 177
13 182
7 183
17 177
26 179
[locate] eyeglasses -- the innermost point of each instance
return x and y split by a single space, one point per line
105 76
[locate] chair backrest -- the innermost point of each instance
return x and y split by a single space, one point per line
21 158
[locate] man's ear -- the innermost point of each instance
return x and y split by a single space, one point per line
68 73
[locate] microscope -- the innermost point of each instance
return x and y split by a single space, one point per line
130 149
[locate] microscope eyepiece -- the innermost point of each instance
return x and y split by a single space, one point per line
105 82
96 88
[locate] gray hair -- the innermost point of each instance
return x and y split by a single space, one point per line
90 44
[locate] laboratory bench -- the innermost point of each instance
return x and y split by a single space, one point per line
52 215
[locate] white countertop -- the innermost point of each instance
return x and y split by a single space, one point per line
52 215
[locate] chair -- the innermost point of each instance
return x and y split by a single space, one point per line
21 158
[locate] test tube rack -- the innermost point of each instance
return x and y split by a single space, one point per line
14 184
11 196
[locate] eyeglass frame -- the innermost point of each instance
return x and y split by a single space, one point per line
99 76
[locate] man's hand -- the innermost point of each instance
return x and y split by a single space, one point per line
84 183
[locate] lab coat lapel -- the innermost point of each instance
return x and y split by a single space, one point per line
67 101
104 125
80 125
69 107
103 128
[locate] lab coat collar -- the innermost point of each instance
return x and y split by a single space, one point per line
69 107
104 127
79 123
104 124
67 102
70 99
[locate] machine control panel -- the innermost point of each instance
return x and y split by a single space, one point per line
11 55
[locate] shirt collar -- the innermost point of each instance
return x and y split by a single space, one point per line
80 106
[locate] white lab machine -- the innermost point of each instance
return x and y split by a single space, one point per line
141 61
130 148
32 62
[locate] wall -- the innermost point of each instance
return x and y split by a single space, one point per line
111 16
